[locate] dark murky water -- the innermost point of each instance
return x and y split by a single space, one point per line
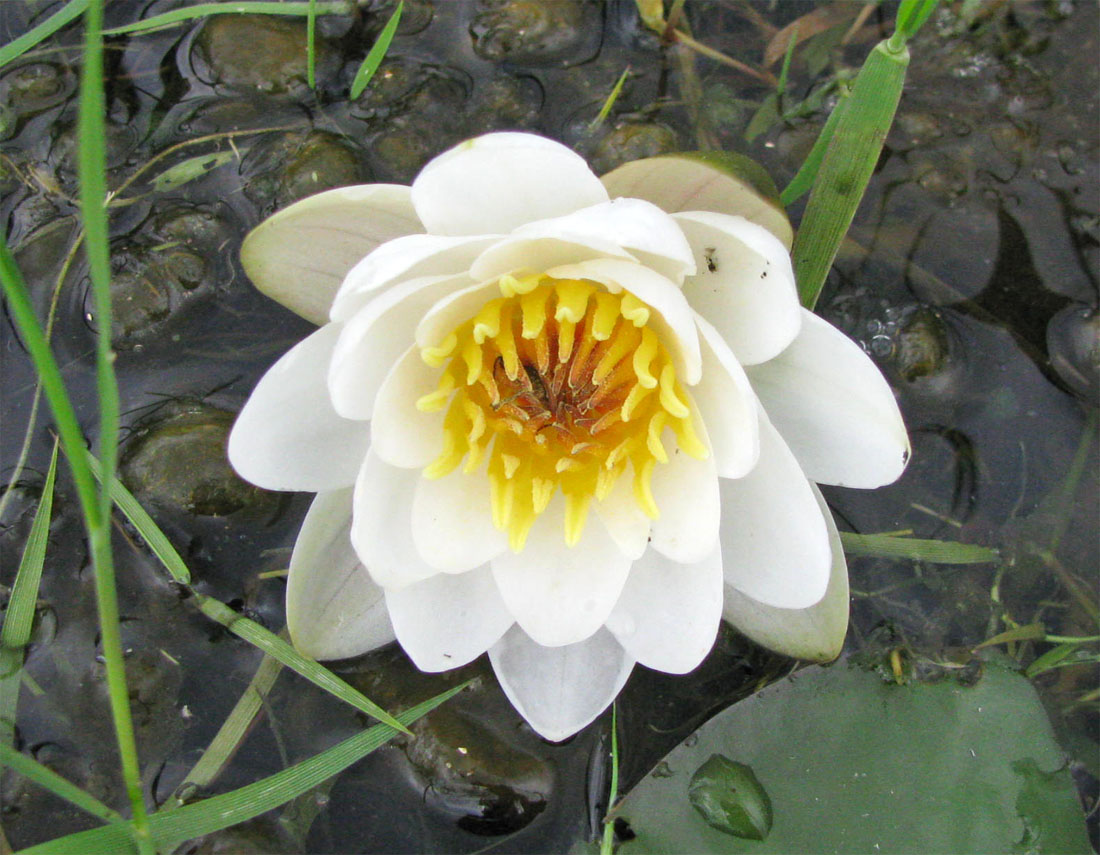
971 276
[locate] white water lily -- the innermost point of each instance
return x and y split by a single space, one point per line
570 422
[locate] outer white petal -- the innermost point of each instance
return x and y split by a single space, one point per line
673 320
299 256
450 311
834 408
668 614
376 336
452 520
497 182
405 258
559 690
560 594
645 230
775 543
744 285
624 519
381 530
333 609
288 436
815 633
403 435
447 621
686 493
727 404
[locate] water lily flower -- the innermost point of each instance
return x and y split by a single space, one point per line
572 422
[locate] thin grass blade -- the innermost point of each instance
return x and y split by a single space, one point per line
203 10
92 172
276 647
36 35
803 179
19 617
605 110
171 828
311 47
377 53
70 792
150 532
917 549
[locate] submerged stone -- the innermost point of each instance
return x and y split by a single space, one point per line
536 32
494 788
283 169
923 346
1073 341
34 87
178 462
632 141
264 52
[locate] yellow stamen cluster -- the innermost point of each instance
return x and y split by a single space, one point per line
559 383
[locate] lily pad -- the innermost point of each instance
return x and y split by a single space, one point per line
851 763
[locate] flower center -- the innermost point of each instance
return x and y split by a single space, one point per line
560 384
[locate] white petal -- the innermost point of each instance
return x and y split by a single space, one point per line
499 181
381 530
744 285
403 435
561 594
727 405
686 493
668 614
559 690
405 258
452 519
815 633
333 609
288 436
633 224
775 543
448 620
834 408
376 336
624 519
673 320
521 254
452 310
299 256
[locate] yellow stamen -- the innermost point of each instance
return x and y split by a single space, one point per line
557 384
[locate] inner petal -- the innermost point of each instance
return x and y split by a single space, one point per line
557 384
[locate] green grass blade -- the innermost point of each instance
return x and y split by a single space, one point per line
311 47
92 172
50 780
36 35
917 549
233 730
911 17
607 844
150 532
605 110
171 828
203 10
847 166
19 617
377 53
282 650
803 179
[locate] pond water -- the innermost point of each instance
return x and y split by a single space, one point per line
970 275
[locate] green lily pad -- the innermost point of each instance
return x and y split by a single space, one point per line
853 764
720 181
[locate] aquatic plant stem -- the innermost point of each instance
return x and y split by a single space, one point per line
92 171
